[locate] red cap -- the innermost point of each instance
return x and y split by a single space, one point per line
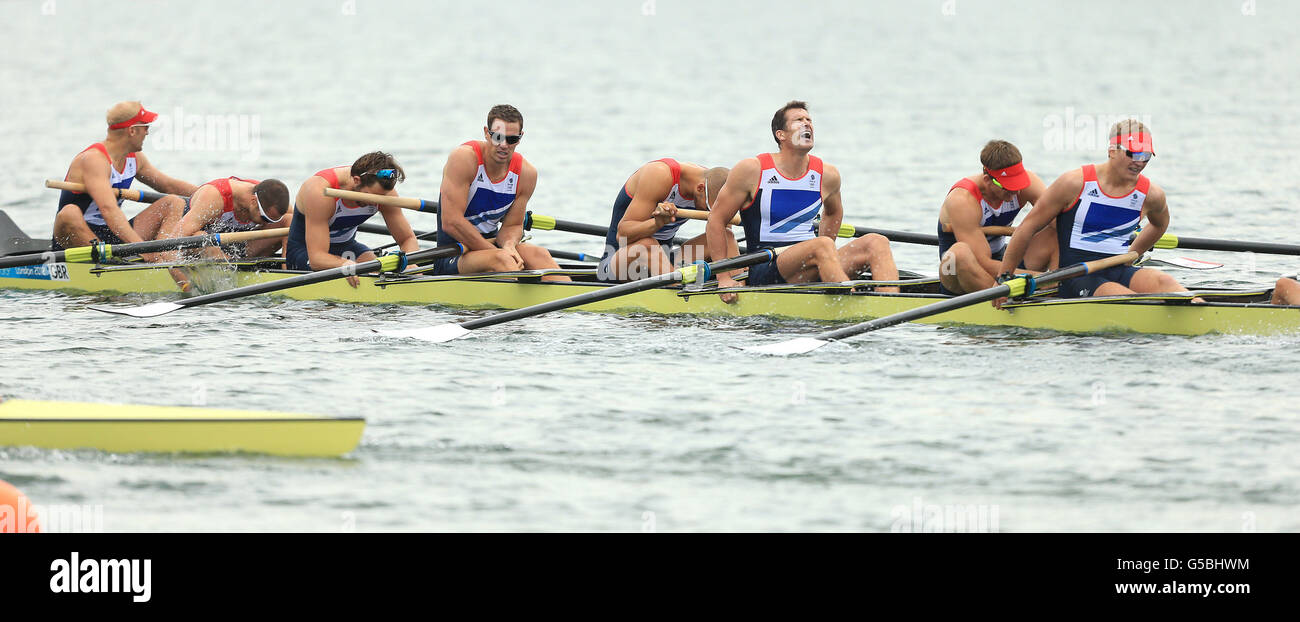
140 118
1014 178
1136 141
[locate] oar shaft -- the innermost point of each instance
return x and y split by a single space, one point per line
614 291
854 231
1208 244
387 262
104 252
411 203
426 235
130 194
972 298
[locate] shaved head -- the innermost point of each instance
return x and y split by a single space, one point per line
714 178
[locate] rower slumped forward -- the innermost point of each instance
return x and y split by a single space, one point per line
233 204
323 232
483 198
969 259
779 196
644 220
1097 208
96 215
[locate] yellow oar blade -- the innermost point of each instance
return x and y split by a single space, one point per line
126 428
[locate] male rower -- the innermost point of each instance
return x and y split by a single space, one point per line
779 196
323 230
1286 292
96 214
644 219
1097 208
969 259
233 204
483 199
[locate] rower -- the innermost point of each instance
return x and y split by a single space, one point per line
483 200
96 214
968 258
779 197
1096 208
236 204
644 220
1286 292
323 230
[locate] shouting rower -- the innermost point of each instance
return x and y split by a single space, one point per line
483 199
323 231
96 214
235 204
644 219
1097 208
969 259
779 197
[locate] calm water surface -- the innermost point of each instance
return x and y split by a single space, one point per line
628 423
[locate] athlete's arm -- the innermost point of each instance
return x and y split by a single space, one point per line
737 192
653 184
457 175
398 226
205 207
146 172
832 203
1054 200
512 226
1157 213
316 210
95 174
963 213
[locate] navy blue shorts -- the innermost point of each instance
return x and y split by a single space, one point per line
1083 286
765 273
295 255
102 233
446 265
605 273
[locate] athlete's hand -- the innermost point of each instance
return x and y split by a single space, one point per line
515 259
998 302
725 282
664 213
351 272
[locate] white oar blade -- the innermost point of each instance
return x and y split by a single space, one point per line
1189 263
436 334
801 345
150 310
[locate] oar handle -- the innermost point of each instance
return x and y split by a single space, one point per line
411 203
130 194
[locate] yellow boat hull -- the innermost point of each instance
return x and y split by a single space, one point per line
125 428
1139 314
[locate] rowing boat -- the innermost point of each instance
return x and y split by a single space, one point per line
1229 311
123 428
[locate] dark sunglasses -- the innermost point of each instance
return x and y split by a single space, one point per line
501 137
1139 156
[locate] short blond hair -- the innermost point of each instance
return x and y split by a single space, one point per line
1127 126
122 111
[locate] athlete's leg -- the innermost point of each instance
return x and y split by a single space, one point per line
870 251
810 260
538 258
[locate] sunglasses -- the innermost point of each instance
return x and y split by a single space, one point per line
499 138
1139 156
262 212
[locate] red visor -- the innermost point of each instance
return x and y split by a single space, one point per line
1137 141
1014 178
142 117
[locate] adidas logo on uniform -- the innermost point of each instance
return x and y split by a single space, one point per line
480 176
772 180
1093 193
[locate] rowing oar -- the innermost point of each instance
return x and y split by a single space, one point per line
855 231
98 253
531 220
395 262
130 194
429 235
1022 285
699 272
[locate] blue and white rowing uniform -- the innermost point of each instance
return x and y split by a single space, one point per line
1001 216
784 212
1097 226
664 234
343 229
487 204
89 209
